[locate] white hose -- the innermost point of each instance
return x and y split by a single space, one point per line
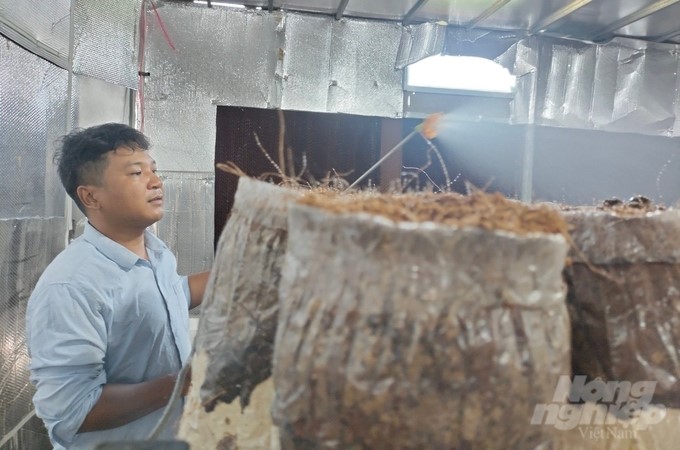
16 429
179 382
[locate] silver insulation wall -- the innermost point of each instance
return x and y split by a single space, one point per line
625 86
261 60
33 105
33 112
433 38
299 61
188 224
106 41
37 240
104 34
249 59
105 47
41 27
34 99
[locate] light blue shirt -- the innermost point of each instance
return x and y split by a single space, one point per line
100 314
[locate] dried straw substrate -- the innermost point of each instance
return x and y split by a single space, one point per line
479 209
403 335
235 339
624 297
634 207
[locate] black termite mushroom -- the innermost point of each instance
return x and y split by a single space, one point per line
611 203
640 202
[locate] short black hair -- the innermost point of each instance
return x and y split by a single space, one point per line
81 156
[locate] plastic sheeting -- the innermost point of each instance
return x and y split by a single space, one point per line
626 85
403 335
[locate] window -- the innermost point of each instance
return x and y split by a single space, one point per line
458 73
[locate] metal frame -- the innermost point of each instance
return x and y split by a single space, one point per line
634 17
488 12
341 9
543 27
666 37
409 15
558 15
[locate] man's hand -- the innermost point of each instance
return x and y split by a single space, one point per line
120 404
187 382
197 283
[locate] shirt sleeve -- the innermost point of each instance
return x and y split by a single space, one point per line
66 337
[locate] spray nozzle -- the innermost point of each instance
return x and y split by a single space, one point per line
428 127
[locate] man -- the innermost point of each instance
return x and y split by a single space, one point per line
108 323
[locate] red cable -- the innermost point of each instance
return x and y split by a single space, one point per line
160 22
140 83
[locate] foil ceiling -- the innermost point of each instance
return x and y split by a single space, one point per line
587 20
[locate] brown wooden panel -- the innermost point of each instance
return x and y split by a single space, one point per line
348 144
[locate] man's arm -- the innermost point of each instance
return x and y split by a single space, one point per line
197 283
120 404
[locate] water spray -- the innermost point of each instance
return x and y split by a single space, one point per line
427 128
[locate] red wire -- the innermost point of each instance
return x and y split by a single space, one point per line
140 84
160 22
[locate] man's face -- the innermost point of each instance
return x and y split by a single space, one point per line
130 193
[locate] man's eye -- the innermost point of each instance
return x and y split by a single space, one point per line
136 173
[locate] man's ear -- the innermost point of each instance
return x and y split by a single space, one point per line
88 197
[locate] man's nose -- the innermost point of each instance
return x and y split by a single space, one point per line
156 182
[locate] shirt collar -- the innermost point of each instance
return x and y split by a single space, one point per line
116 252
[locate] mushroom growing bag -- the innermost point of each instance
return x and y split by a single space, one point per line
235 339
624 298
418 335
